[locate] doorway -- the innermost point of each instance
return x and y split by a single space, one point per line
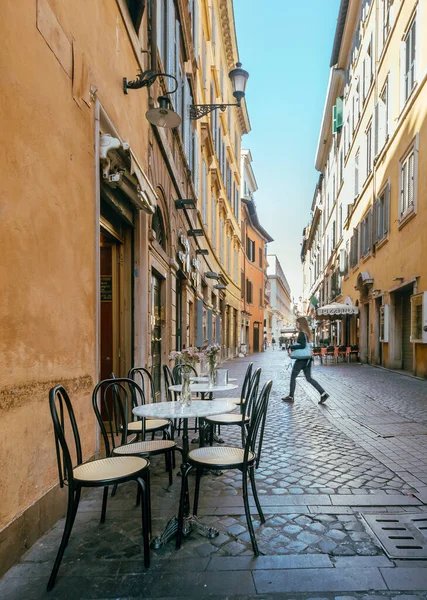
116 294
256 337
157 317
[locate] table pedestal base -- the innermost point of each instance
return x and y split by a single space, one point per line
190 524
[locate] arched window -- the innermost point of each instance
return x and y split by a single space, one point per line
158 226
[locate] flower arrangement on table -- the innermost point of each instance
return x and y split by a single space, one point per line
212 353
187 357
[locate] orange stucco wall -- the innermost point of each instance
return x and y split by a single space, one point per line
48 225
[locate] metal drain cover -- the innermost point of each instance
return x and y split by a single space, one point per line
401 536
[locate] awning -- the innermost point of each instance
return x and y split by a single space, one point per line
336 310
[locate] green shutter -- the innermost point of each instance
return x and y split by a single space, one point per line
337 115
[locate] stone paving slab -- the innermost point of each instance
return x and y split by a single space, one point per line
293 561
405 579
320 580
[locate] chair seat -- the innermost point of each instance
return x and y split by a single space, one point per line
154 447
221 456
225 419
106 469
150 425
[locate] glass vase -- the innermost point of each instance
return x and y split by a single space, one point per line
211 373
185 390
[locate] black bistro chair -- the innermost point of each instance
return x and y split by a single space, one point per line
243 417
317 353
221 458
354 351
112 401
242 398
97 473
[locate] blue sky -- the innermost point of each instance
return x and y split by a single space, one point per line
286 46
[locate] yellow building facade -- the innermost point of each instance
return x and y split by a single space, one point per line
366 242
105 267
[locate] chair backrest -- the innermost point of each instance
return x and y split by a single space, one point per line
246 382
169 380
63 417
145 381
355 348
342 348
330 349
115 398
255 435
316 349
251 394
179 369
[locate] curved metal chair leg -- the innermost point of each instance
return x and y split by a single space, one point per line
199 474
114 490
73 502
104 504
255 493
248 514
169 461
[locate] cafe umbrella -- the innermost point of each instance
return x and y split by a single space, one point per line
336 311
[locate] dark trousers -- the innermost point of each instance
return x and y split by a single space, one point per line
303 365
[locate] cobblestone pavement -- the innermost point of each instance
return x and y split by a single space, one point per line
323 466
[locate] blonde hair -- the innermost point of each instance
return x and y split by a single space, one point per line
303 325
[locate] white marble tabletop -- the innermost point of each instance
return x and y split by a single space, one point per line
204 388
175 410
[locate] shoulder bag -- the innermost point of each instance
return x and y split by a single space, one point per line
303 353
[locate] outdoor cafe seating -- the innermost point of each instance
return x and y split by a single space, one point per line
128 453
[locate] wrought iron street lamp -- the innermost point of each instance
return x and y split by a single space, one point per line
163 115
239 78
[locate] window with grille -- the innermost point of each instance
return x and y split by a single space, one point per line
407 174
409 58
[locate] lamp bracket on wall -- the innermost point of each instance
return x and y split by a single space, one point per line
145 79
197 111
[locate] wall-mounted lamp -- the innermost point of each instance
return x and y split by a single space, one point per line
376 292
163 115
195 232
185 203
212 275
399 279
202 251
238 77
220 286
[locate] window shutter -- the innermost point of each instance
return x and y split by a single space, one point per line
187 121
196 29
218 329
171 44
242 284
213 222
160 31
196 163
209 326
204 199
356 175
369 231
199 323
376 128
375 222
411 163
386 214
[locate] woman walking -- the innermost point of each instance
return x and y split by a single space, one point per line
303 364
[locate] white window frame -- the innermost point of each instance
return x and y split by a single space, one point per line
412 29
406 209
369 153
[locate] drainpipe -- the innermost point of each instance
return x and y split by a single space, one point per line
152 33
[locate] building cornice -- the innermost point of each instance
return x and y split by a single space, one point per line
228 32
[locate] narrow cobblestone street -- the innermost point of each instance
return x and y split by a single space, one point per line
323 467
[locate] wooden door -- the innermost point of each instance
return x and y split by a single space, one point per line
156 334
